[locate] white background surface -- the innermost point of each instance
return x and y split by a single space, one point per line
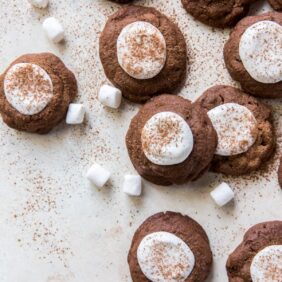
56 227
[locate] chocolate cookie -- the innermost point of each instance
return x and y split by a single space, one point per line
259 255
192 151
276 4
35 92
262 145
280 173
234 62
170 246
218 13
143 53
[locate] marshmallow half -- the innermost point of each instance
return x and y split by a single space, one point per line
28 88
53 29
236 128
222 194
98 175
267 265
162 256
261 52
141 50
167 139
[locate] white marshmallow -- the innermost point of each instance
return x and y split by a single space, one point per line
53 29
110 96
132 185
75 114
222 194
236 128
167 139
162 256
98 175
39 3
141 50
31 93
261 53
267 265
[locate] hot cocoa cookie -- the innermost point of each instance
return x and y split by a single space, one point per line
171 141
170 247
35 92
253 55
276 4
218 13
246 137
143 53
259 256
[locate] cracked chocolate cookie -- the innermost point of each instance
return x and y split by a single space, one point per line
246 137
276 4
35 92
259 256
143 53
218 13
170 247
122 1
171 141
253 55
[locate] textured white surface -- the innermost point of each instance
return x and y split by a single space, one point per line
164 257
55 226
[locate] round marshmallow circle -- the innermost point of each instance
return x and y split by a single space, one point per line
28 88
236 128
267 265
167 139
162 256
141 50
261 53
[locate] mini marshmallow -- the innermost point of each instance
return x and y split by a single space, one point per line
98 175
75 114
39 3
222 194
110 96
53 29
132 185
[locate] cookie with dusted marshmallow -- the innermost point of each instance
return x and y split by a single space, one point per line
170 246
253 55
259 257
143 53
35 92
246 137
171 141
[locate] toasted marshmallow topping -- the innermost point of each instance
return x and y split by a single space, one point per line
267 265
236 128
28 88
260 50
141 50
164 257
167 139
